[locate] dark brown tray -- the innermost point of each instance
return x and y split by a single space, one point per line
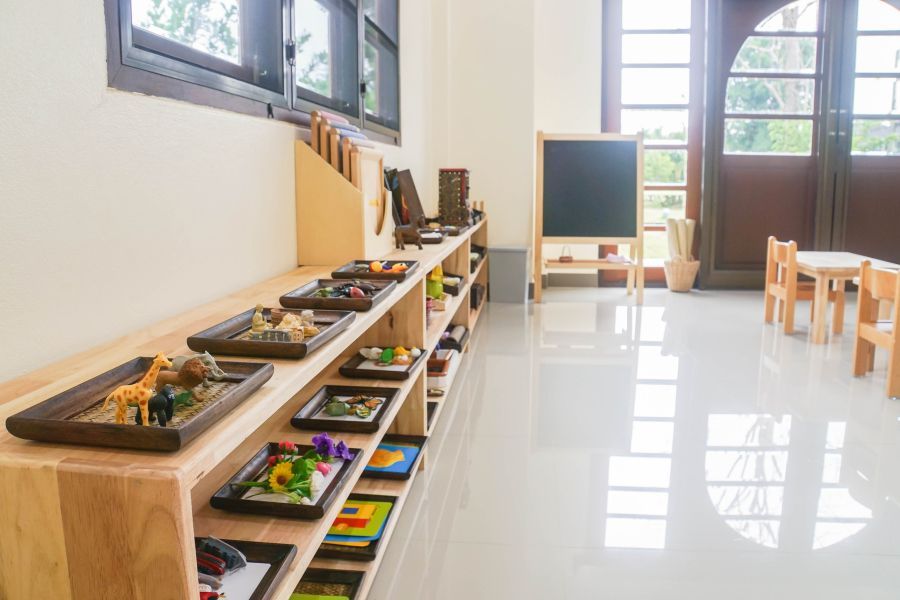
300 298
279 556
351 369
330 582
432 239
482 251
349 271
370 552
221 338
418 440
52 419
453 290
431 409
229 497
306 419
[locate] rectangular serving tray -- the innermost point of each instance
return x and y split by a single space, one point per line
229 497
395 438
431 409
302 296
50 420
370 552
352 369
279 556
432 239
221 338
454 290
306 419
349 271
351 579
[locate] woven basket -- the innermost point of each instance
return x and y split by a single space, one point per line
680 274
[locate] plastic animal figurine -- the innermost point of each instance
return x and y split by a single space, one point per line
190 375
258 323
161 407
139 393
213 370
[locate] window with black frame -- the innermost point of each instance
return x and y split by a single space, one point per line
281 58
381 64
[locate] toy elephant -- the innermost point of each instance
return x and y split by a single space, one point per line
213 370
161 407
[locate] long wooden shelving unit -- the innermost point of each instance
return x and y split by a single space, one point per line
86 523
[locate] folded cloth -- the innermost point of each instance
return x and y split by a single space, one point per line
615 258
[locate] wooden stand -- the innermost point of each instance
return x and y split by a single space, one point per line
339 221
635 264
85 523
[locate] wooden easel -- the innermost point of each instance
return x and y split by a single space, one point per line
635 266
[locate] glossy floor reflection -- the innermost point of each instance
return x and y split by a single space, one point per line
681 450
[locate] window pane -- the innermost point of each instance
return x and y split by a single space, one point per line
665 167
876 96
211 28
769 96
383 13
326 53
380 72
658 126
876 137
877 53
659 206
877 15
656 14
656 48
655 86
777 54
802 15
768 136
656 246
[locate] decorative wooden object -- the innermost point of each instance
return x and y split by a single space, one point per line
303 296
782 285
876 285
231 497
602 227
454 207
338 221
224 337
350 271
307 419
66 417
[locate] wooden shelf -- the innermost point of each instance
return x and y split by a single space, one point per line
175 487
595 263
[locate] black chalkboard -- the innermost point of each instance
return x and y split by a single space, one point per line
590 188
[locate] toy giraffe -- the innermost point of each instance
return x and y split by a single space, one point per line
139 393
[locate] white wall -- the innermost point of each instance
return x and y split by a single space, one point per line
119 210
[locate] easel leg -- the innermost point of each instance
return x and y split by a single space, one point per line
538 268
640 284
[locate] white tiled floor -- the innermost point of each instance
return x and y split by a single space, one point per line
681 450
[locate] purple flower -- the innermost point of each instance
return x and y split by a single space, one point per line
343 451
324 445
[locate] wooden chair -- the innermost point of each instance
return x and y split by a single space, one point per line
876 285
782 285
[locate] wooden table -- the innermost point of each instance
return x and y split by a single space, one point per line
828 267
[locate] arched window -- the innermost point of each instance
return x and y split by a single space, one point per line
771 96
876 99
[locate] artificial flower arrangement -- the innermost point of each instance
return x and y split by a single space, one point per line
296 478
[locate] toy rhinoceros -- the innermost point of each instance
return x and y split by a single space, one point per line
213 370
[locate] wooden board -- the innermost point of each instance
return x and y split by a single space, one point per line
58 419
231 498
303 296
225 338
306 418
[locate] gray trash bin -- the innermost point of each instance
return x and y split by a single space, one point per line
508 273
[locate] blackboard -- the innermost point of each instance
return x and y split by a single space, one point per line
590 188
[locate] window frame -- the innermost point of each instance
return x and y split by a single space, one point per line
132 68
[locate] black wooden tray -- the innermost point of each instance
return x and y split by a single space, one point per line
352 369
330 582
454 290
230 497
279 556
307 419
302 298
394 438
482 252
431 410
57 419
223 338
349 271
432 239
368 553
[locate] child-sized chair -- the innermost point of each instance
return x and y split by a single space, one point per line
876 285
782 285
